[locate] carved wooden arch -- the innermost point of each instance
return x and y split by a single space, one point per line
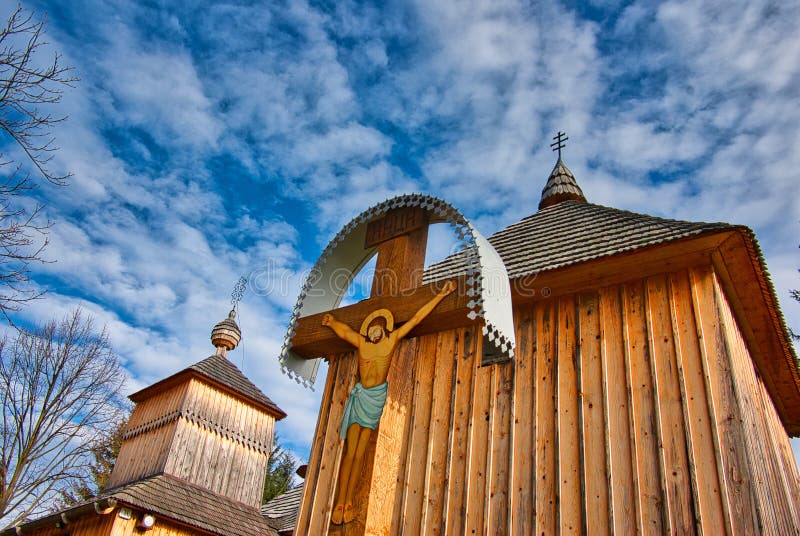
486 278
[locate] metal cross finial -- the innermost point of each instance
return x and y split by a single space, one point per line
559 143
238 292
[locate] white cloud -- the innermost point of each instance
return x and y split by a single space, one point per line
158 90
682 109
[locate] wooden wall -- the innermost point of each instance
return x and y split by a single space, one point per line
150 430
163 527
221 444
633 408
89 525
202 434
111 524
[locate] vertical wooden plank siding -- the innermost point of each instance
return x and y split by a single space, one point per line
774 505
569 449
546 477
391 450
480 424
523 480
736 473
631 409
89 525
782 451
711 511
466 367
622 480
594 425
674 458
637 351
392 444
417 456
436 463
500 438
322 502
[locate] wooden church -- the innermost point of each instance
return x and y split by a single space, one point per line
627 374
652 389
192 462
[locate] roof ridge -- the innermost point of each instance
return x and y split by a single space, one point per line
587 206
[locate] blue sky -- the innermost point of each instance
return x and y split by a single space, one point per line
214 140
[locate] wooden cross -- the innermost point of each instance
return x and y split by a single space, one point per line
401 239
401 236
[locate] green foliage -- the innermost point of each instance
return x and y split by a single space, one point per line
281 469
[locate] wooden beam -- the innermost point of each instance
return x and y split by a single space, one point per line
757 318
312 339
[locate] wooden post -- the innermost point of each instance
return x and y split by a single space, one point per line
399 268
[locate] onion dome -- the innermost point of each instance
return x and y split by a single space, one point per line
561 186
226 335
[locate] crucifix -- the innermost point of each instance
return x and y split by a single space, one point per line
376 343
370 427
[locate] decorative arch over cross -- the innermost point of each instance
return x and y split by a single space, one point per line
485 279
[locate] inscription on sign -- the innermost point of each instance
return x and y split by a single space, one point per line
395 223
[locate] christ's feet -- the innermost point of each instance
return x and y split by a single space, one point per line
349 513
338 513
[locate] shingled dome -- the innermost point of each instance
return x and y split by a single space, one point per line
561 186
226 335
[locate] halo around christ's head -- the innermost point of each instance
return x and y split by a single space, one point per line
385 313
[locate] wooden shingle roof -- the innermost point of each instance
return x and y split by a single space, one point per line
220 369
560 186
573 232
222 372
176 499
281 512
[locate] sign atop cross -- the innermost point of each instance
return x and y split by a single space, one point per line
559 144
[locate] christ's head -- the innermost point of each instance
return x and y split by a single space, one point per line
377 330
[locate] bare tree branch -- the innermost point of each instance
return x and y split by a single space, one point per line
30 84
61 391
25 85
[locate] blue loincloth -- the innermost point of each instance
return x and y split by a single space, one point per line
364 407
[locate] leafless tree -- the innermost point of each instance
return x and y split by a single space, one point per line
27 84
30 84
60 387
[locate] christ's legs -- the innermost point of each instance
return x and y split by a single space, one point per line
350 449
357 465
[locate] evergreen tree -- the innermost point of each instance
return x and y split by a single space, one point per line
281 469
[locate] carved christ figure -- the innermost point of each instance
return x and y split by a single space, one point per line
375 343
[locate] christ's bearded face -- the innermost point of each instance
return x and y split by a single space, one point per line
375 333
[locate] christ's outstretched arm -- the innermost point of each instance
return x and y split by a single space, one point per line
342 330
424 311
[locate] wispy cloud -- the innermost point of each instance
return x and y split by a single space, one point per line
210 141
